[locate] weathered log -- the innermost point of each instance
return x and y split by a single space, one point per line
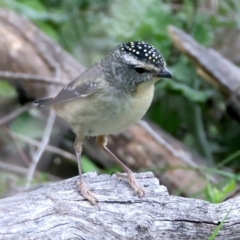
211 66
26 49
59 212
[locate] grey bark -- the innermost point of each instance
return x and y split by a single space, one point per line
59 212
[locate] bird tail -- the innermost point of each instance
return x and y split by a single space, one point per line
44 102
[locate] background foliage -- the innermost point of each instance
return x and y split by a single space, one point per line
187 107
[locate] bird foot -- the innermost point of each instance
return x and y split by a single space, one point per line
86 193
133 183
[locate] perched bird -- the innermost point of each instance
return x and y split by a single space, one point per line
108 97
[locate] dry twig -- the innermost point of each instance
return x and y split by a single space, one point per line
41 149
15 113
34 78
21 153
49 148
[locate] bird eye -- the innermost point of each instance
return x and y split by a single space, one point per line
139 70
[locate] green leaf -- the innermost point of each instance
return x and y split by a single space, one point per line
186 91
218 228
88 165
212 194
229 187
26 125
228 159
215 195
183 70
202 34
36 5
7 90
49 30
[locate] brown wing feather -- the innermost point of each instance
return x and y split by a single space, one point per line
83 86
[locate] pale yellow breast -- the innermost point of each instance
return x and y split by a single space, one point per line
131 109
141 101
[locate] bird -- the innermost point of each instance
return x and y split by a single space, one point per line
110 96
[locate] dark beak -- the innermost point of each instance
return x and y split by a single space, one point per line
165 73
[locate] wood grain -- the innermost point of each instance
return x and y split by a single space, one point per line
59 212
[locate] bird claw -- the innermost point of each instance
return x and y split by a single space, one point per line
133 183
86 193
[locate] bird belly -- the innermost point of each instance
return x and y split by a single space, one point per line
94 118
124 112
118 117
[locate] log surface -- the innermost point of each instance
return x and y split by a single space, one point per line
59 212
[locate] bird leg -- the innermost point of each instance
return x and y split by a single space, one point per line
102 142
80 184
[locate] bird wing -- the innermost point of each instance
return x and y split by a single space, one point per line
83 86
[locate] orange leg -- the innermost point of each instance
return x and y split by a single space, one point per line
102 141
80 184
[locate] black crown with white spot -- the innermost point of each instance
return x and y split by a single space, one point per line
143 52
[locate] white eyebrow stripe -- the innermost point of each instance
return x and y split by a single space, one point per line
132 61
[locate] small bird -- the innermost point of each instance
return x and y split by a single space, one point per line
108 97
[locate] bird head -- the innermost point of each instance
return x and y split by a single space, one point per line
133 63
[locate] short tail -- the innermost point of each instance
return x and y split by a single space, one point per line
44 102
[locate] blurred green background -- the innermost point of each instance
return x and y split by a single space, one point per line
186 106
